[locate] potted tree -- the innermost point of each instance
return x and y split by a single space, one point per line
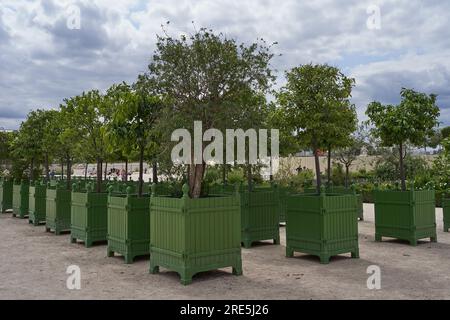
315 103
88 213
198 233
132 125
405 214
6 183
59 195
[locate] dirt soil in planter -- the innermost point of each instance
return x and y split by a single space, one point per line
406 272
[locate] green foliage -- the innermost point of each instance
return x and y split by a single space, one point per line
208 77
236 175
445 132
316 107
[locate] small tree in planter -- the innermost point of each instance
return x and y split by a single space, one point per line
132 123
211 79
407 215
313 105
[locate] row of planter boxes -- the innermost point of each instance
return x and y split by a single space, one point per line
194 235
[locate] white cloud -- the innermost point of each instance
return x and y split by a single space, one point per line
42 61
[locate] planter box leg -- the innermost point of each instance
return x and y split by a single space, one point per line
434 239
47 229
73 240
154 269
128 259
88 243
324 259
186 278
355 254
276 241
109 253
57 232
289 252
247 244
237 271
378 238
446 227
36 223
413 242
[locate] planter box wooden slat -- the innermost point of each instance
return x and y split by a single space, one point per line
21 199
89 213
128 226
6 195
37 204
446 211
58 209
195 235
408 215
260 216
323 226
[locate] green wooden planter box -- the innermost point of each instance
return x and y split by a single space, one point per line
284 193
190 236
344 190
446 210
21 199
128 226
6 195
88 216
58 209
259 216
37 203
323 226
408 215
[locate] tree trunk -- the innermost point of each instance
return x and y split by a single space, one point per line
224 174
402 169
329 167
99 175
126 170
69 173
347 173
317 164
141 171
196 173
31 176
86 171
249 178
155 172
106 170
62 169
47 170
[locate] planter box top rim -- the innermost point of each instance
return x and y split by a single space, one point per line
124 195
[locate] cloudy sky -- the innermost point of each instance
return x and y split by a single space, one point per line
45 57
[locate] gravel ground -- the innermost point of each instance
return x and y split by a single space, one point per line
33 266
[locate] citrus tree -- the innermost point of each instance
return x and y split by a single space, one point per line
412 121
316 109
205 77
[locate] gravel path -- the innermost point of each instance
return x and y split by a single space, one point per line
33 266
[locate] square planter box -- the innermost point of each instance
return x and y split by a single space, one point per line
21 199
446 209
6 195
190 236
260 216
283 194
89 216
128 231
58 209
323 226
37 203
344 190
408 215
